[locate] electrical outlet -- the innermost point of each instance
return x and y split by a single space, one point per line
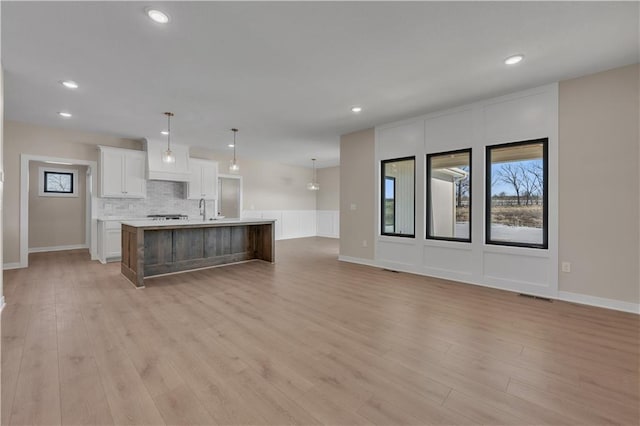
566 266
353 206
364 243
130 206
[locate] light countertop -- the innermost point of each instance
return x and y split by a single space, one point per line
194 223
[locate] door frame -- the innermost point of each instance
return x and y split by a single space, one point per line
91 208
229 176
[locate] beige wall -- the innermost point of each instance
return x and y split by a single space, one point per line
599 184
267 185
358 188
22 138
1 180
56 221
328 197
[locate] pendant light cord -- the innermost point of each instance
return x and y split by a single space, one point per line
234 144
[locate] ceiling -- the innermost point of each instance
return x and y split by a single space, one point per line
287 73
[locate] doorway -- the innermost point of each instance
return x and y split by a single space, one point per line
90 188
230 196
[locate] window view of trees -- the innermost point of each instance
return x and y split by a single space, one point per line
398 197
449 195
58 182
516 188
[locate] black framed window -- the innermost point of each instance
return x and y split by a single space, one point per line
398 201
58 182
449 195
517 208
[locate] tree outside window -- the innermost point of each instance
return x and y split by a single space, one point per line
517 193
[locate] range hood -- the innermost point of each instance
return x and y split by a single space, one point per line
158 170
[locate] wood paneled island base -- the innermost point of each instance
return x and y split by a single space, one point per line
154 248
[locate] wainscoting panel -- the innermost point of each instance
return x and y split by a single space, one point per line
328 222
289 223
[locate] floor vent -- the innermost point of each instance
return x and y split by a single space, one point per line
531 296
390 270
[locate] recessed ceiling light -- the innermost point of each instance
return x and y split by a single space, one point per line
69 84
158 16
356 109
164 132
231 145
64 114
514 59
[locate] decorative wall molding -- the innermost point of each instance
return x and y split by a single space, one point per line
289 223
525 115
328 223
58 248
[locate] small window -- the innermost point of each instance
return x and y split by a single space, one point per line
398 197
449 196
516 199
58 182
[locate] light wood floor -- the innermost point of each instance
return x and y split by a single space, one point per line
309 340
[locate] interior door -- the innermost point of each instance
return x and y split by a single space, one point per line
229 197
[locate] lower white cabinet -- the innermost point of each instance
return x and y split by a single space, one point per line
109 240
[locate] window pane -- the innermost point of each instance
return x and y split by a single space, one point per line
517 182
58 182
398 200
449 195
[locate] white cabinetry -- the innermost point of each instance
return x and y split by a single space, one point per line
122 173
203 179
109 240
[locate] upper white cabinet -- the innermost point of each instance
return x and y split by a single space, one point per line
203 180
158 170
122 173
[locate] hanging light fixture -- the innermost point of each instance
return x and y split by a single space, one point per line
233 165
168 156
313 185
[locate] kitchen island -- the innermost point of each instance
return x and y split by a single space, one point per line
151 248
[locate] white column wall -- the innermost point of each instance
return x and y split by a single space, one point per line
521 116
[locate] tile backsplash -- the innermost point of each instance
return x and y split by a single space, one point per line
162 197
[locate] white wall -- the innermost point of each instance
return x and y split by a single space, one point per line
521 116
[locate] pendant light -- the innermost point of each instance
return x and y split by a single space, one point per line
313 185
233 165
168 156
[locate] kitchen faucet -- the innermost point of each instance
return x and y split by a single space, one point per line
203 210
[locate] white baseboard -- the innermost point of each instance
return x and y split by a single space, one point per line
58 248
601 302
359 261
335 237
12 265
